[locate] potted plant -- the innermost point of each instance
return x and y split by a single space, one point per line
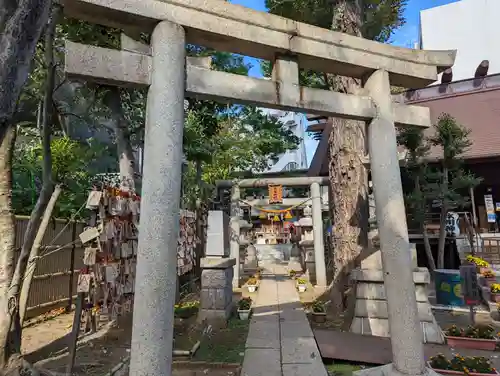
244 308
252 285
258 274
489 277
319 311
495 292
481 264
292 274
478 337
301 284
459 365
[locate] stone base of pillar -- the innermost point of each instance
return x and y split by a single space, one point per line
389 370
216 295
371 315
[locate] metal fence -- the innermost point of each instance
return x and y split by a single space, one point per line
55 276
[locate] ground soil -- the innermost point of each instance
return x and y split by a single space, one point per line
46 345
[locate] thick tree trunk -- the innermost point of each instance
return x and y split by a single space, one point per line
348 175
10 329
21 24
7 236
126 159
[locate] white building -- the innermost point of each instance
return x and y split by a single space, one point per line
292 159
470 27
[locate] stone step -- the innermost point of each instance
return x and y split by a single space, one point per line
378 309
380 328
376 290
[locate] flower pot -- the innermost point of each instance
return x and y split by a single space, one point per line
495 297
490 281
243 314
251 288
471 343
483 269
319 317
450 372
301 288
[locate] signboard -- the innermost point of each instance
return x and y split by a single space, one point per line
490 208
275 194
470 287
497 206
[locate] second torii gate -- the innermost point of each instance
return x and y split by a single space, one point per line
289 45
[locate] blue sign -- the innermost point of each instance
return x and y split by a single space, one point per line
492 218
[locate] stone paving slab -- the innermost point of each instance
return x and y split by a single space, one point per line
263 334
280 341
261 362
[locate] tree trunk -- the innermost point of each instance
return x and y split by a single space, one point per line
348 175
126 159
428 250
7 236
442 220
21 25
11 329
421 215
35 252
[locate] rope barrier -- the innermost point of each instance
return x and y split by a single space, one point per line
276 210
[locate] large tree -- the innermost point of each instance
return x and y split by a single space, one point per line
372 19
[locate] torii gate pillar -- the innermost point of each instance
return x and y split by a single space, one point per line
153 322
406 335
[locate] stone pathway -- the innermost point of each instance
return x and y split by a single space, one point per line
280 340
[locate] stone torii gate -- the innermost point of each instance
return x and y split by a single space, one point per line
289 44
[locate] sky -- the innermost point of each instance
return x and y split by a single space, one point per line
406 36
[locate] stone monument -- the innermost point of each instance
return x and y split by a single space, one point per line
217 271
306 244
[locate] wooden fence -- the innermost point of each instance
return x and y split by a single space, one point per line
55 277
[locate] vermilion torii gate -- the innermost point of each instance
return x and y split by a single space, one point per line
227 27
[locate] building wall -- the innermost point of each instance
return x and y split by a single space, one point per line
470 27
292 159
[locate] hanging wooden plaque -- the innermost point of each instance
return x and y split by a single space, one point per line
275 194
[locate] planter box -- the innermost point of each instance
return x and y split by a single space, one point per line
490 281
244 314
319 317
457 373
251 288
495 297
471 343
301 288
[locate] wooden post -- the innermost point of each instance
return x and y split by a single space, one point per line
72 268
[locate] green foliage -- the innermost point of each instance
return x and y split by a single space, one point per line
447 181
380 17
379 20
72 166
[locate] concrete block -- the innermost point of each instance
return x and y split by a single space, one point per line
389 370
370 326
309 369
373 259
432 332
376 290
261 362
216 278
215 298
420 275
378 309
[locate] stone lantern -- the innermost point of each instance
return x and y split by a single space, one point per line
306 243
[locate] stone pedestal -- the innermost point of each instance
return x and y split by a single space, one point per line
390 370
371 314
307 248
216 289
